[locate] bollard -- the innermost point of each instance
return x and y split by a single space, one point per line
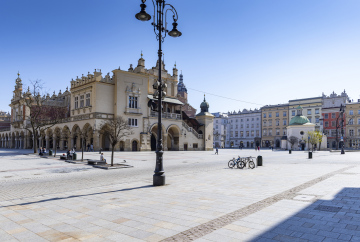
289 151
74 156
259 160
50 152
310 155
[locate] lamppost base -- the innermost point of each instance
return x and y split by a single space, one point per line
343 152
159 180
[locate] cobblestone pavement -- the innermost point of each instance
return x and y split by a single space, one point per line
290 198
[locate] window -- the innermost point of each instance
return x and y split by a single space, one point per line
351 132
82 101
293 112
264 132
333 115
257 133
242 126
277 114
247 133
252 133
333 123
217 126
252 119
264 115
351 112
326 115
317 111
241 120
359 111
195 145
241 134
252 125
133 122
277 122
270 115
247 119
236 126
326 124
236 134
358 120
321 122
247 126
257 125
87 100
351 121
284 122
217 121
270 122
270 132
133 102
309 111
309 119
258 117
264 123
76 102
284 114
317 120
237 120
277 131
231 134
333 132
284 132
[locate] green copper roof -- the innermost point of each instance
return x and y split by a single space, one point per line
299 120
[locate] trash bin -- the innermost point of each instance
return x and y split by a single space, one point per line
100 150
310 155
289 151
259 160
74 156
50 152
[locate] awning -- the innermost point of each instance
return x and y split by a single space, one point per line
167 100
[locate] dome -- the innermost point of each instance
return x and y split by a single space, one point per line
204 106
299 120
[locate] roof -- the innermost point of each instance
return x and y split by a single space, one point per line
167 100
299 120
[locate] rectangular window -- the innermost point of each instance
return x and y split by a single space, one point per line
333 115
76 102
133 122
217 126
326 124
195 145
309 111
264 131
293 112
264 115
277 114
351 112
270 115
252 133
359 111
351 132
133 102
252 119
277 131
252 125
242 126
247 126
241 134
333 132
284 114
284 122
257 125
257 133
82 101
333 123
284 132
236 134
326 115
270 132
317 111
358 120
231 134
351 121
87 99
277 122
247 133
217 121
270 122
264 123
309 119
317 120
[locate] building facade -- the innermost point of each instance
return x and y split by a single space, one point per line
93 99
353 125
311 109
220 126
275 119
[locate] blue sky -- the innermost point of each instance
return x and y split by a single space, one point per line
259 51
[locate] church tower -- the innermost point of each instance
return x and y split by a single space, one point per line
207 120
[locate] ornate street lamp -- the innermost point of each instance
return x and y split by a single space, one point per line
342 129
160 10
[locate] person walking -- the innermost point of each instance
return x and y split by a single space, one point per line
259 148
216 151
88 147
91 147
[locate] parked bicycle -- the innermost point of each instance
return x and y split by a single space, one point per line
246 161
234 162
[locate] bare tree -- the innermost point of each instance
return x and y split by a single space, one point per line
85 136
57 135
292 140
116 128
40 116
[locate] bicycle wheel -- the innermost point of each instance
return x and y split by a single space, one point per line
241 164
231 163
251 164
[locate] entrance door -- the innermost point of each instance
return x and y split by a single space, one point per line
302 146
185 147
134 146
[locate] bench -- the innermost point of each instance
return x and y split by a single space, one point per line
96 162
63 157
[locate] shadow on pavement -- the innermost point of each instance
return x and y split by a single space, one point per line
337 219
76 196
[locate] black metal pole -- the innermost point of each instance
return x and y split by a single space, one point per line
342 132
159 176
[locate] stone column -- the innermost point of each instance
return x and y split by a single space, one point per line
54 142
47 142
165 141
16 143
96 139
61 143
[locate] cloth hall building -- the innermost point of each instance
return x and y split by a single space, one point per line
94 98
